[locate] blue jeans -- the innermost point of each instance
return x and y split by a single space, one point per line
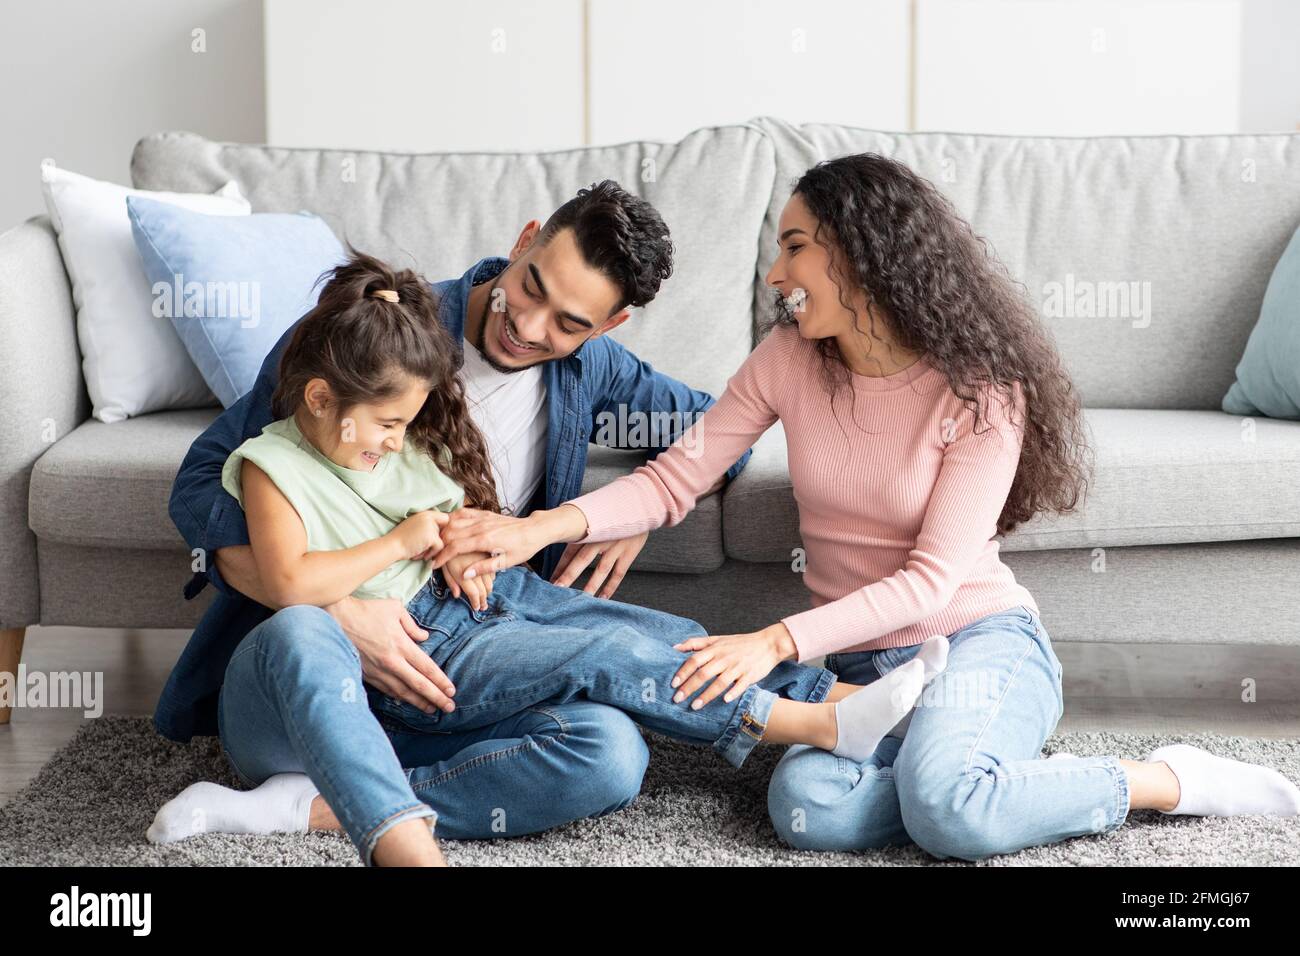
545 680
966 780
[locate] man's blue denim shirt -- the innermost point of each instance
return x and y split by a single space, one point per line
600 377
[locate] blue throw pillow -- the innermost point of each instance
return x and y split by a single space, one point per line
231 285
1268 375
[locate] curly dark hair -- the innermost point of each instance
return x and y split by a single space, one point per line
944 293
621 236
361 345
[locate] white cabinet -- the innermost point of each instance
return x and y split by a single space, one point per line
1078 67
388 74
554 74
661 68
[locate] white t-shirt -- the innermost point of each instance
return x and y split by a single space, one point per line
510 410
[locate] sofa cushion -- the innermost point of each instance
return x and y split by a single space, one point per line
132 363
1192 224
1162 477
694 546
231 285
108 485
760 519
441 212
105 484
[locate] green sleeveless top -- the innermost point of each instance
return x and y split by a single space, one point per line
342 507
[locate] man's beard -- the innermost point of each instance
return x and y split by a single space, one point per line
481 344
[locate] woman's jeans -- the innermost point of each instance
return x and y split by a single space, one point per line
966 780
540 735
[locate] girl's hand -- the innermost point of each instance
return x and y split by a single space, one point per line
475 589
731 661
476 593
420 533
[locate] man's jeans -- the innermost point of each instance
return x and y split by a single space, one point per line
534 740
966 780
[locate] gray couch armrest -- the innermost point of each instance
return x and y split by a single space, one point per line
42 395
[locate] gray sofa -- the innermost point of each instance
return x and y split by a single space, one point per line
1190 532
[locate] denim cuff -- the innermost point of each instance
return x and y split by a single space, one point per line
1120 808
743 733
825 681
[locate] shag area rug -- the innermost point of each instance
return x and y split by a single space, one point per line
91 804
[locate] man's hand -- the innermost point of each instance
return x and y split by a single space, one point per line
615 558
731 662
384 634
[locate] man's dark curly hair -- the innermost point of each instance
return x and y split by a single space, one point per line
620 235
944 293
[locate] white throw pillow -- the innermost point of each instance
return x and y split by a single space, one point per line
133 362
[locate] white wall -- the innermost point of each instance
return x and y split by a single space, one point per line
82 80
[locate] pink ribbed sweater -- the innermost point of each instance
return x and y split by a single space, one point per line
897 512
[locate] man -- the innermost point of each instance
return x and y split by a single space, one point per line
539 369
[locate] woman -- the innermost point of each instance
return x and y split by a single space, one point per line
926 412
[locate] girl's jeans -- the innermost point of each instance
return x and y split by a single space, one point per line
966 780
534 739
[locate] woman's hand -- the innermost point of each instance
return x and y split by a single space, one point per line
507 540
615 558
731 661
477 588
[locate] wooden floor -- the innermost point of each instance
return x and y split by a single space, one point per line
1141 689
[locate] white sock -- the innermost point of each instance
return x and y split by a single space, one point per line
934 656
282 804
1059 754
864 718
1217 786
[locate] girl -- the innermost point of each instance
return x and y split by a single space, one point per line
926 412
345 493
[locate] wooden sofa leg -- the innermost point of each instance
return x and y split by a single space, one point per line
11 651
